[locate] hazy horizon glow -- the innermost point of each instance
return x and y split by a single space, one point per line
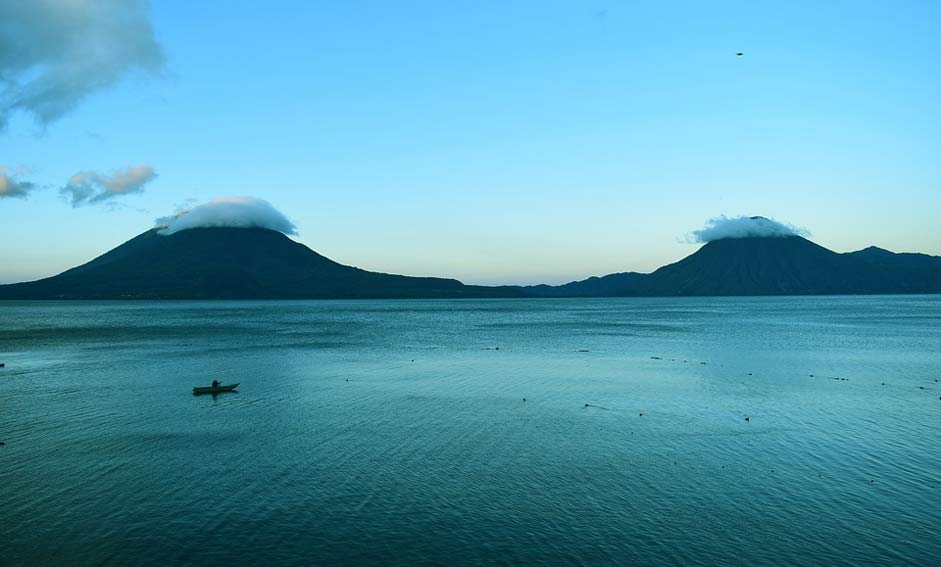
494 143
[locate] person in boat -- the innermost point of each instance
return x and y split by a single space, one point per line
216 384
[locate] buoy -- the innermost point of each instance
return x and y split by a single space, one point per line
524 399
746 418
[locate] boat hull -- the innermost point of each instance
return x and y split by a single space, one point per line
199 390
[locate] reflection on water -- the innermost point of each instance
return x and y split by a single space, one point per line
397 432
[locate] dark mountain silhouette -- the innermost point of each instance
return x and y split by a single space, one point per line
917 270
769 266
883 257
216 263
245 263
595 286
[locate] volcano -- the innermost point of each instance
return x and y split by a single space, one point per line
778 265
231 263
258 263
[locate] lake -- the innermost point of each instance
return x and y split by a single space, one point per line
470 432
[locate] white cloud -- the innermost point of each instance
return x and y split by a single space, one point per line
722 227
53 53
237 212
89 187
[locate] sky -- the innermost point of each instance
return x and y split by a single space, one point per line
503 142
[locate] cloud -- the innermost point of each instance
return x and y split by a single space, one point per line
237 212
722 227
54 53
89 187
10 186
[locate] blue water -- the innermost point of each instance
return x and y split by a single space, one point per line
396 432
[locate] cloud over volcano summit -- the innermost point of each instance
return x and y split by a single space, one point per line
235 212
722 227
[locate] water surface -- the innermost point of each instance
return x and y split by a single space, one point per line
396 432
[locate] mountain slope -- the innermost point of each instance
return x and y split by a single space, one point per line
246 263
595 286
881 256
768 266
209 263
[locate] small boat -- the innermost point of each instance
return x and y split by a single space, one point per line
214 390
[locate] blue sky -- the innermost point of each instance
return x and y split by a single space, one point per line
503 142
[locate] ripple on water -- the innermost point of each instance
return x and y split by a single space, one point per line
395 432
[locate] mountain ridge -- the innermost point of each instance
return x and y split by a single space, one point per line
257 263
778 265
230 263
